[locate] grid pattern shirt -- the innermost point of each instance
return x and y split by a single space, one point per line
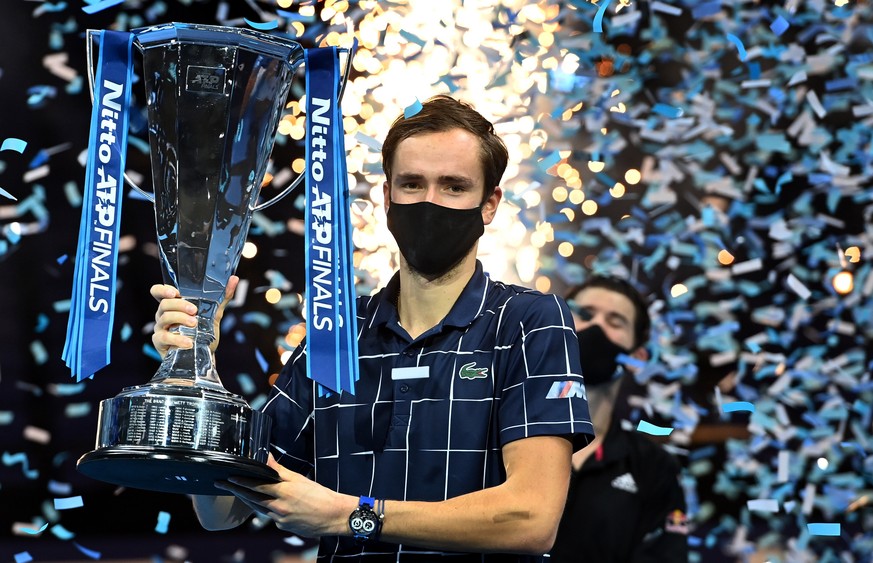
429 416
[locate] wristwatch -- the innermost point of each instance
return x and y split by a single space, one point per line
364 522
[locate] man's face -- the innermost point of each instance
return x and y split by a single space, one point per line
613 311
442 168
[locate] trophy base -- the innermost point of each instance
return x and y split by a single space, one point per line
178 439
169 470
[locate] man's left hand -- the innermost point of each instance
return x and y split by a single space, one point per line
296 504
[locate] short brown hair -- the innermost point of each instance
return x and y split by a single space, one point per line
642 320
443 113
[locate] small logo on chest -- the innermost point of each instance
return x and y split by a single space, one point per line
470 371
625 483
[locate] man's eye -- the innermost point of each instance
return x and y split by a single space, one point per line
584 312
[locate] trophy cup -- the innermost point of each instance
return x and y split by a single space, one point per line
215 97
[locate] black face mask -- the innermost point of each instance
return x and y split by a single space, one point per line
433 238
598 354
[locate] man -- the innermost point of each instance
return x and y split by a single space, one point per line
458 440
625 503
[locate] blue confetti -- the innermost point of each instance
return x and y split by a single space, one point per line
95 7
68 503
549 161
12 459
23 557
738 406
34 531
295 16
163 522
7 195
741 49
59 488
13 144
779 25
649 428
150 351
824 529
412 38
598 17
62 533
261 361
706 9
412 109
668 111
89 552
265 26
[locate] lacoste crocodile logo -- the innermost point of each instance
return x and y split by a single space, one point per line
470 371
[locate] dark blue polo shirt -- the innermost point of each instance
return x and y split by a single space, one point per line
429 416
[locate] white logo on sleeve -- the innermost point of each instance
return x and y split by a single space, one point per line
625 483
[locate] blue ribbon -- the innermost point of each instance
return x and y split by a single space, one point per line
331 333
92 307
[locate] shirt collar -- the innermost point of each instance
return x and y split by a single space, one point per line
468 306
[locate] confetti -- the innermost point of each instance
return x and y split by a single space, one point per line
738 406
741 49
823 529
87 552
13 144
99 6
598 17
23 557
265 26
163 522
68 503
412 109
666 8
62 533
33 531
763 505
649 428
20 458
779 26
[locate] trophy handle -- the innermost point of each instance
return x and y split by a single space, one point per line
345 80
89 63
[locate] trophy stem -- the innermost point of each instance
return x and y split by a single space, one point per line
194 366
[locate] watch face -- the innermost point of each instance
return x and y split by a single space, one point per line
363 522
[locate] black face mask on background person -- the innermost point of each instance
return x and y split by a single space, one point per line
598 356
433 238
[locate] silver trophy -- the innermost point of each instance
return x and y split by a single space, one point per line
215 96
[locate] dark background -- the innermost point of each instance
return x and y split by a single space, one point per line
678 61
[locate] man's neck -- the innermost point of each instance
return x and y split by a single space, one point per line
601 403
423 303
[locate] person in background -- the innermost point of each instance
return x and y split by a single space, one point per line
625 502
457 443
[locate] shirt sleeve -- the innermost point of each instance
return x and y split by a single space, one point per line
664 519
543 392
290 407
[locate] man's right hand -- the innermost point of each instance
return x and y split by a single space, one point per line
173 311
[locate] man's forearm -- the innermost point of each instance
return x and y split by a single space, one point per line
220 512
519 516
485 521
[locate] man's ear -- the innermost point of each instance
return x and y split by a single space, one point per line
489 207
386 194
